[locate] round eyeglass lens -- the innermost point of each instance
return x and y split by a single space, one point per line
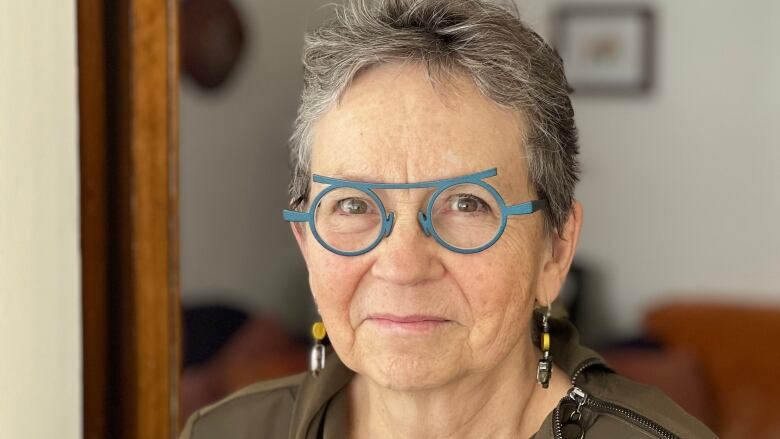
466 216
348 219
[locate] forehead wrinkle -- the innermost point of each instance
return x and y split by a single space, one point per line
422 107
406 132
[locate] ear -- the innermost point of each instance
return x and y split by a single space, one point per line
300 237
560 255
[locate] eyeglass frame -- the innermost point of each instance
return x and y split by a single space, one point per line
388 220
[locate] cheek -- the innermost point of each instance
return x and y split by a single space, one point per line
494 289
333 280
499 292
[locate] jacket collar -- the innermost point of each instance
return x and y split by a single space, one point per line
314 395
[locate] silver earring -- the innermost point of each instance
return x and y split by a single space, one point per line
317 355
544 370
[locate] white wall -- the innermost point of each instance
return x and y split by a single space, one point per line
234 173
40 292
681 188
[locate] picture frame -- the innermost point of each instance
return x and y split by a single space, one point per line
606 49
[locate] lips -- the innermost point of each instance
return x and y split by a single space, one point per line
408 322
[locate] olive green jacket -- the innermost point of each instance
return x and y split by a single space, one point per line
303 407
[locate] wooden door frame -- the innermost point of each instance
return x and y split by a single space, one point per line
129 161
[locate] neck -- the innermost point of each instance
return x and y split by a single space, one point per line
503 402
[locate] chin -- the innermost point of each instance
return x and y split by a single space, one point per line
410 371
407 361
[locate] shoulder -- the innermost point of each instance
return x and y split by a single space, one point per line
618 392
261 410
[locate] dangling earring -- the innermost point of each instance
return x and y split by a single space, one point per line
317 356
544 371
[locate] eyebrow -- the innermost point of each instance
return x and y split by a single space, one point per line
476 176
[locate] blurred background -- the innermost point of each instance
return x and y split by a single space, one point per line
677 276
677 105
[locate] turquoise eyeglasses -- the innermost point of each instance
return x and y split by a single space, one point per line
464 214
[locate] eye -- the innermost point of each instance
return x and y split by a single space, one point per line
353 206
467 203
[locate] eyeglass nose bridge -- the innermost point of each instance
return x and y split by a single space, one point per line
425 223
389 223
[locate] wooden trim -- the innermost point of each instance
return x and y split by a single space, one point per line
94 216
149 259
130 217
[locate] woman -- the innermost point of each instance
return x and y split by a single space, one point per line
434 168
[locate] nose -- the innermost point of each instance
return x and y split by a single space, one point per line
407 256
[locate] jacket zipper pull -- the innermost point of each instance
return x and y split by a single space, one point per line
573 428
580 397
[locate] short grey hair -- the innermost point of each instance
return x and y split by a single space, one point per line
506 60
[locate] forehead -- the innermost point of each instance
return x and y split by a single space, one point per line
394 125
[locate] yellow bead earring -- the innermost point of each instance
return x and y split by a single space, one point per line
544 371
317 356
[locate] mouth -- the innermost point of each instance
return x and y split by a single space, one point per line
416 323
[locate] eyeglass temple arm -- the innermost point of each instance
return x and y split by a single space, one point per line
526 208
294 216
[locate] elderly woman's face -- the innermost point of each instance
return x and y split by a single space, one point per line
410 313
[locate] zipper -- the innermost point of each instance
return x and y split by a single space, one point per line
582 399
557 422
584 365
578 396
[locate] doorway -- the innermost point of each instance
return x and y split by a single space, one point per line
128 108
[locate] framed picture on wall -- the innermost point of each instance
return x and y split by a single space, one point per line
606 49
